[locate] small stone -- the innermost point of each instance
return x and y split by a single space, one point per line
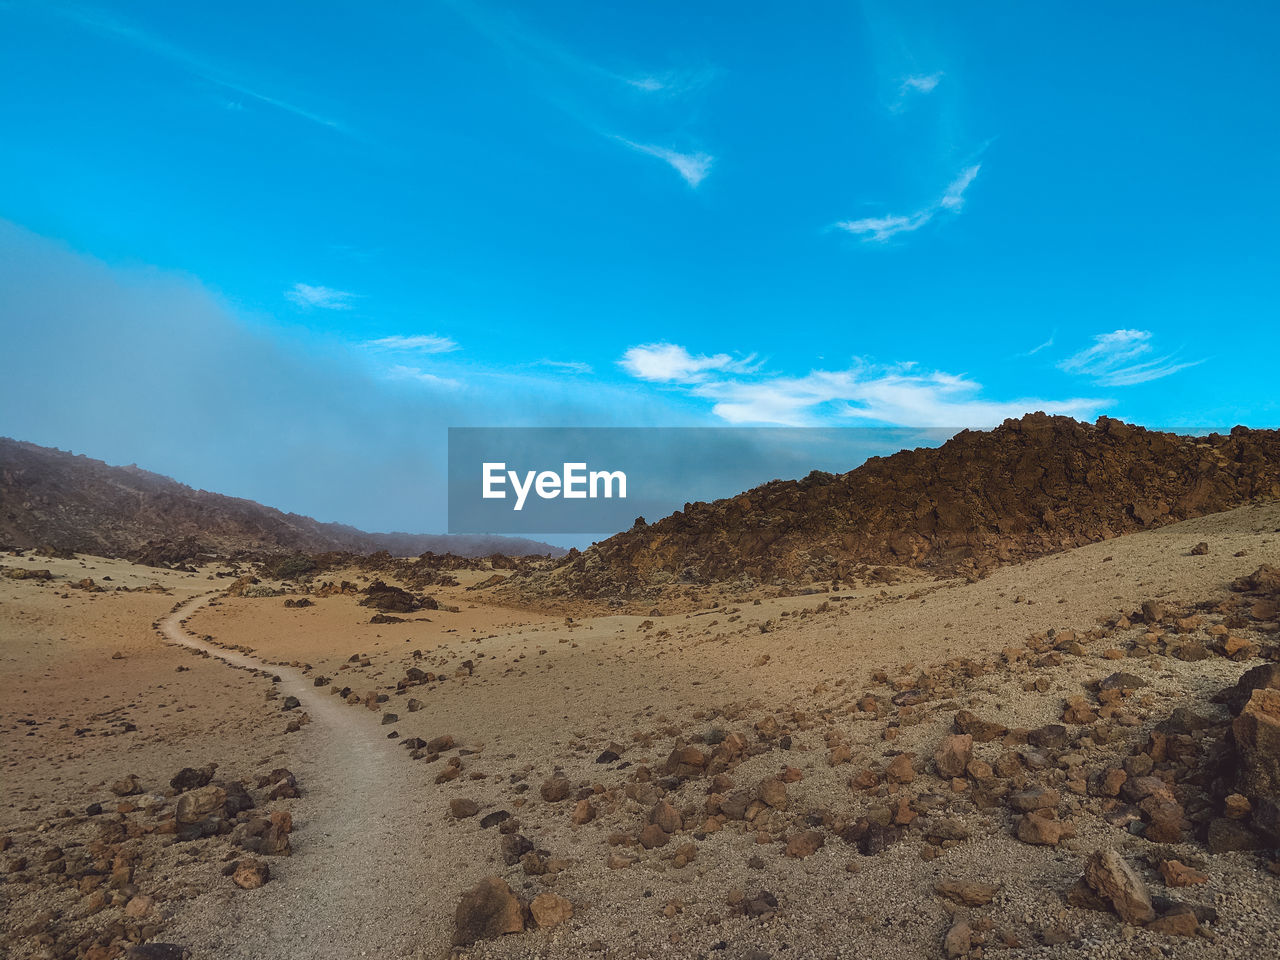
1178 874
461 808
774 792
901 770
1038 829
195 805
804 844
1035 798
653 836
550 910
969 893
1180 921
665 816
139 907
958 941
251 874
1237 806
126 786
954 754
556 789
1114 880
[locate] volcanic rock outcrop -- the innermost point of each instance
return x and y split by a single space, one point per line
1030 487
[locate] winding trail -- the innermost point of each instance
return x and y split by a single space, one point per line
357 884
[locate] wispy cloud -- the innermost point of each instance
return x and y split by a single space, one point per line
920 83
899 394
672 83
1044 346
693 167
417 375
1123 358
647 84
592 94
885 228
567 366
953 196
418 343
881 229
106 25
323 298
671 363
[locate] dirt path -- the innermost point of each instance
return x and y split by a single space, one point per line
356 885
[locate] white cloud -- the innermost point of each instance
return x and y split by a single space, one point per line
881 229
670 83
670 363
419 343
1122 358
693 167
920 83
568 366
953 196
324 298
647 84
417 375
1044 346
896 395
900 395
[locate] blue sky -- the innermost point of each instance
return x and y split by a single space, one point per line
275 250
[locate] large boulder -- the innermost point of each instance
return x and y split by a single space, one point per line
389 599
1263 677
1257 735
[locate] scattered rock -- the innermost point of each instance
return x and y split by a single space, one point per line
958 941
188 778
1178 874
126 786
550 910
487 911
1113 880
556 789
954 754
195 805
251 874
969 893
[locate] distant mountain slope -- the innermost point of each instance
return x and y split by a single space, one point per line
1030 487
51 498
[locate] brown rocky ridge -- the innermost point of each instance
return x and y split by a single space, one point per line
1030 487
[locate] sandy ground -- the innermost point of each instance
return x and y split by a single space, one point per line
379 861
68 698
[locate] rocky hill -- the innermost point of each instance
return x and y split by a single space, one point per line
1030 487
56 500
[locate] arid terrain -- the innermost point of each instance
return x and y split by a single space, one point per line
902 766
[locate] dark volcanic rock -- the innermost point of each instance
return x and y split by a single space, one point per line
1030 487
389 599
487 911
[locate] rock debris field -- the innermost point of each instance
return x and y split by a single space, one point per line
1073 755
